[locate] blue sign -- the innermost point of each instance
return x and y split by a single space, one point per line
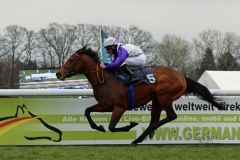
106 58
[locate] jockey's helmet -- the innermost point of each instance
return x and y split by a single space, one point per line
110 41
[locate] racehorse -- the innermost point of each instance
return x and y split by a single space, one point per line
112 95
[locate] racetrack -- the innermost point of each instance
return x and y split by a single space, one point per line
141 152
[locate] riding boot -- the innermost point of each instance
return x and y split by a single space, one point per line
132 76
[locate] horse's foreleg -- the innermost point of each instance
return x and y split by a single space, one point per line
116 115
89 118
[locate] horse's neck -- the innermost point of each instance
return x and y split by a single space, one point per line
93 72
99 76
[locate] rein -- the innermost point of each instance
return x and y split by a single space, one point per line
100 77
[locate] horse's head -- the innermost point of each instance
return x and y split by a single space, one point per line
79 62
71 67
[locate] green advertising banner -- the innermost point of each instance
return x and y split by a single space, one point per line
61 121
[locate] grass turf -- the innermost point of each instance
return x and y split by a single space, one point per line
141 152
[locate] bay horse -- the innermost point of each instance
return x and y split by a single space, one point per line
112 95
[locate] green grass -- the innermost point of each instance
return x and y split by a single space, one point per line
141 152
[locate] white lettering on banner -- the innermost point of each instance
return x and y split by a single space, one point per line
103 119
187 118
131 119
212 119
146 118
82 119
69 119
234 118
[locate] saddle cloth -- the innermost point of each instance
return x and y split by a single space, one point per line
145 75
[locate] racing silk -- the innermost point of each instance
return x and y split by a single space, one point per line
123 52
133 50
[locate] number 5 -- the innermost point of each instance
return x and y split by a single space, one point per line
151 78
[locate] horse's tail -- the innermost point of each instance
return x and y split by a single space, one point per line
202 92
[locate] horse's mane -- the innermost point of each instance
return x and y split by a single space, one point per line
89 52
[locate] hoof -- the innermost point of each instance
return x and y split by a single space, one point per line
133 144
151 134
133 124
101 128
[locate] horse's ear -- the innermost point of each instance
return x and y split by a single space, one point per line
80 50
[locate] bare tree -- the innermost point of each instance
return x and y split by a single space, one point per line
142 38
4 63
46 58
83 35
60 38
211 39
3 46
31 44
95 32
15 38
219 43
116 32
231 44
174 52
88 35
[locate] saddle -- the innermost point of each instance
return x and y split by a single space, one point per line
145 75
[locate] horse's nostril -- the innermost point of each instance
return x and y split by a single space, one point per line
58 74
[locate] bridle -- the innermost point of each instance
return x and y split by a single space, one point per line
70 72
98 71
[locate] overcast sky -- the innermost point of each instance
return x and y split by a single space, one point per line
186 18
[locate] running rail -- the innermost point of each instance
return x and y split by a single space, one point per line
84 92
46 92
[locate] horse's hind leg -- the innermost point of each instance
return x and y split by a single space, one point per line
171 115
155 114
116 115
94 108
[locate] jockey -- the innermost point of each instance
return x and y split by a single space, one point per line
124 56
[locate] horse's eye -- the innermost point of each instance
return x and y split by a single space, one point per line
70 60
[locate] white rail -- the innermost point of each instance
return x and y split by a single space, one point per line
220 92
82 92
45 92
